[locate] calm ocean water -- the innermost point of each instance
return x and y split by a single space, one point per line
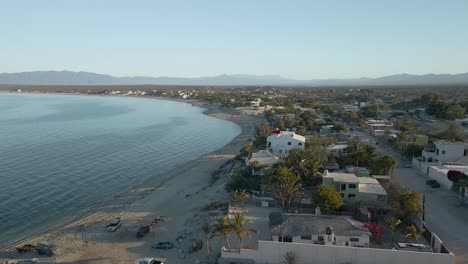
62 154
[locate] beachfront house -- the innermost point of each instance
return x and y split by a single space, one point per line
327 239
319 230
282 142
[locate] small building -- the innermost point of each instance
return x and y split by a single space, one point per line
282 142
326 130
336 150
319 230
256 102
419 140
264 159
356 189
350 108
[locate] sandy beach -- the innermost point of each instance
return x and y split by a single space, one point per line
187 196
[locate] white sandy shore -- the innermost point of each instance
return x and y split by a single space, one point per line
181 195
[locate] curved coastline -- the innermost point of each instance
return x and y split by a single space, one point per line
155 181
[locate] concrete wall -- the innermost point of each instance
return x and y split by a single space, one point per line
270 252
371 197
423 166
364 241
440 177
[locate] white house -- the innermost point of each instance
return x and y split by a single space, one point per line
280 144
444 151
320 230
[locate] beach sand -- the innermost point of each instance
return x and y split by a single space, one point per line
187 196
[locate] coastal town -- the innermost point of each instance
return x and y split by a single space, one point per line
234 132
346 175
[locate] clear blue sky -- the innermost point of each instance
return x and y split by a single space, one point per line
296 39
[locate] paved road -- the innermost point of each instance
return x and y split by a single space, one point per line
444 215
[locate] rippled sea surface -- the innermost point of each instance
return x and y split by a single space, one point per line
61 155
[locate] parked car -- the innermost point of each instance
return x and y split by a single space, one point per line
114 224
159 219
150 261
142 231
163 245
433 183
46 248
407 165
26 248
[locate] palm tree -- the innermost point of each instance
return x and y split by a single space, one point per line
239 226
223 229
287 189
412 232
235 198
393 223
243 194
206 229
239 195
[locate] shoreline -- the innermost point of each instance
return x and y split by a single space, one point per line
121 201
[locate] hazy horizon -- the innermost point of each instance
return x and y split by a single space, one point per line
234 74
301 40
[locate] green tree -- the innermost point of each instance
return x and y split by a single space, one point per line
428 98
262 132
240 227
453 133
404 204
454 111
247 149
371 111
413 150
327 198
223 229
357 154
464 104
338 127
437 109
406 125
383 165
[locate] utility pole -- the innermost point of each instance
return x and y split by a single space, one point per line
423 207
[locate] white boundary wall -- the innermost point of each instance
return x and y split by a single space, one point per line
272 252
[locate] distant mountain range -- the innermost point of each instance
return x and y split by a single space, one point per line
89 78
